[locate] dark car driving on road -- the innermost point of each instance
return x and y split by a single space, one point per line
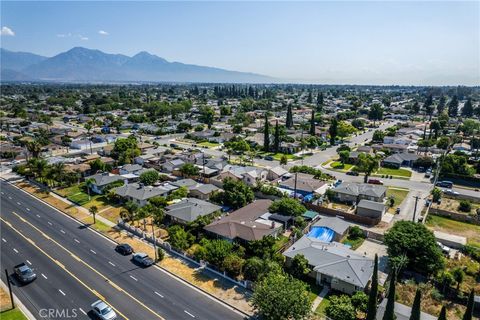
24 273
124 249
142 259
352 173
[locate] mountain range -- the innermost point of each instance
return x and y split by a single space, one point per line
88 65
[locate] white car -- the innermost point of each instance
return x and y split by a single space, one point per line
103 311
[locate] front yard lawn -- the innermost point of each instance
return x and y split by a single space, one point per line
337 165
208 144
278 156
394 172
398 195
13 314
468 230
323 305
65 192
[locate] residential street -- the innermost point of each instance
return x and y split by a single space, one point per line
91 266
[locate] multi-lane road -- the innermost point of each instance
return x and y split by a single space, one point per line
76 266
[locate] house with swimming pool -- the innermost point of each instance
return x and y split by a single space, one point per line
332 263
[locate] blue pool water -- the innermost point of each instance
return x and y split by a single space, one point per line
322 233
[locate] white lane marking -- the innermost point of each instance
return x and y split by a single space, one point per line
19 203
158 294
49 223
29 262
38 215
44 276
191 315
62 292
4 240
82 311
62 231
28 209
92 251
76 240
111 263
134 278
16 251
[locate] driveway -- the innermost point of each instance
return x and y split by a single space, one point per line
369 248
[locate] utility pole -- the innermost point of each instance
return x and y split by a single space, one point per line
10 288
415 211
154 241
295 187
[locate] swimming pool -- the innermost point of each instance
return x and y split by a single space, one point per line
321 233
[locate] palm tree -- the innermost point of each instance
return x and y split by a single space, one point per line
93 210
34 147
229 152
129 211
38 167
88 183
58 172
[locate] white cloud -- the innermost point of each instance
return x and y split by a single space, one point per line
83 38
103 33
64 35
6 31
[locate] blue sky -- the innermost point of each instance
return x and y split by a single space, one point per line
359 42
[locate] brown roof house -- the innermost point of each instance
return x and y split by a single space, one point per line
246 224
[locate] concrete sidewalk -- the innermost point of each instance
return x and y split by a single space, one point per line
319 298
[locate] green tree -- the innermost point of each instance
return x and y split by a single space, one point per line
378 136
453 107
233 265
312 123
93 211
207 116
390 307
236 194
360 301
345 129
443 143
217 250
253 268
367 164
436 194
344 156
416 307
189 170
333 130
299 266
443 314
179 238
458 275
467 110
129 211
341 308
417 243
180 193
149 177
283 160
275 287
276 139
468 315
287 207
266 135
289 120
372 298
375 113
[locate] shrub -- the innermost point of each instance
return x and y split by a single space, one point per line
355 232
160 254
465 206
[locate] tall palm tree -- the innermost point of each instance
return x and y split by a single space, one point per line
58 172
34 147
129 211
88 183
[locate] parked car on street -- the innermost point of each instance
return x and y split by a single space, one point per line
269 158
352 173
124 249
375 181
450 192
103 311
24 273
445 184
142 259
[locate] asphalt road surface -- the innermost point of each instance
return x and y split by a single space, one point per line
81 266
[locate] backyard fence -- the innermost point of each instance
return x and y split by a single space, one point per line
345 215
473 219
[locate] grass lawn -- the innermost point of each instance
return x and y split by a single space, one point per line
81 198
471 231
100 201
323 305
13 314
65 192
208 144
337 165
326 162
395 172
354 243
398 195
278 156
313 290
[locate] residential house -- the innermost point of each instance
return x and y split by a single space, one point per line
101 180
338 225
400 159
305 184
393 148
189 209
249 175
172 165
402 312
333 264
203 191
277 173
139 193
465 147
354 192
371 209
245 224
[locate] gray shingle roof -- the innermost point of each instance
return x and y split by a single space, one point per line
139 192
336 224
305 182
102 179
190 209
402 311
356 189
334 259
372 205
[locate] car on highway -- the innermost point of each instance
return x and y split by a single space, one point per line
352 173
268 158
450 192
142 259
124 249
24 273
103 311
375 181
445 184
